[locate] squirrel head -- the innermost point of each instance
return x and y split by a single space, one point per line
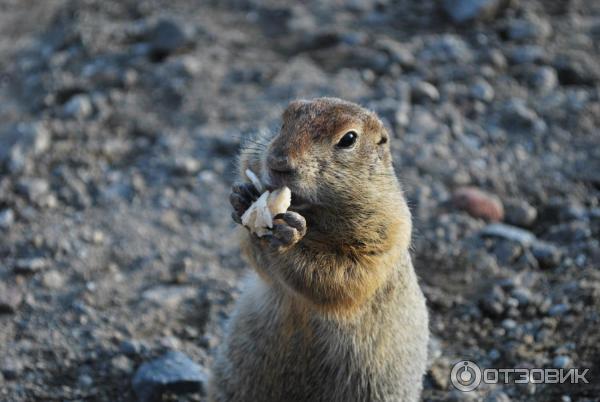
326 150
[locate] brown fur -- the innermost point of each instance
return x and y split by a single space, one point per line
337 316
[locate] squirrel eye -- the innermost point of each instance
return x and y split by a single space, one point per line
348 139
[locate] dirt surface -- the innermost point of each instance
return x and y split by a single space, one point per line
119 126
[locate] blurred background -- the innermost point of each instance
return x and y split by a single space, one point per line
119 126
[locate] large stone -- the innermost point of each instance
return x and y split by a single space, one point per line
478 203
173 372
500 230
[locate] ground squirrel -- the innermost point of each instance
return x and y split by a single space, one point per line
335 312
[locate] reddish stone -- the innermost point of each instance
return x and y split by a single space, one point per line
478 203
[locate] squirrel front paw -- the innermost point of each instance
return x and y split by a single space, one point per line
241 197
288 229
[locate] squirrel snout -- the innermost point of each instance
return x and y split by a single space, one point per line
281 164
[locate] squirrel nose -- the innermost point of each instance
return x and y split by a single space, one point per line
280 164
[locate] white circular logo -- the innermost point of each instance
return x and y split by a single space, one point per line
465 375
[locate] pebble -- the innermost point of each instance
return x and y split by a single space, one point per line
7 218
53 280
10 298
33 188
169 295
558 309
446 48
547 255
561 362
482 91
186 165
122 363
11 369
30 265
517 116
576 68
528 29
79 106
509 324
168 36
526 54
85 381
133 347
478 203
21 142
422 90
506 252
513 233
173 372
544 79
461 11
519 213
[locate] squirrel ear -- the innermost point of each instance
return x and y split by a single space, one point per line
294 107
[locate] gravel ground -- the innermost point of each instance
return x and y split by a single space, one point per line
119 126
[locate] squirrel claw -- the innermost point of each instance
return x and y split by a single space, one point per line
241 197
289 229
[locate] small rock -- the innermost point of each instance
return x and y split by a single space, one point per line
482 91
209 341
446 48
527 29
544 79
461 11
169 296
168 36
561 362
132 347
7 218
53 280
547 255
10 299
422 90
173 372
526 54
577 68
122 363
186 165
523 237
19 143
30 265
517 116
493 302
558 309
509 324
11 369
519 213
507 251
33 188
439 374
79 106
478 203
85 381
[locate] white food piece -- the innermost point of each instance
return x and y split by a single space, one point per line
259 216
255 180
279 200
